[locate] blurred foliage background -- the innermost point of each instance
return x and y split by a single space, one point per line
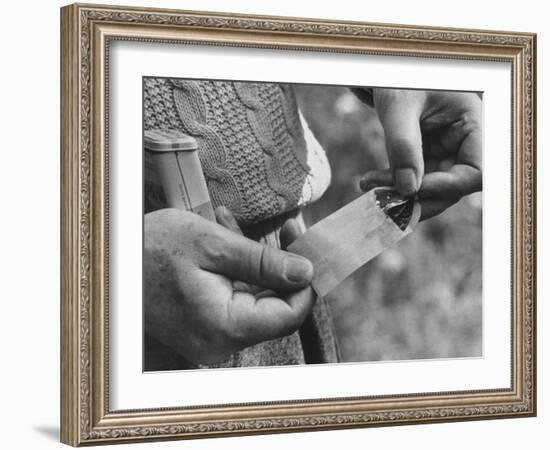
420 299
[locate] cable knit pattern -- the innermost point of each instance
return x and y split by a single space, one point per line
227 116
260 118
212 151
251 142
291 117
158 105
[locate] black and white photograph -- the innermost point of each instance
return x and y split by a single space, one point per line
292 224
277 224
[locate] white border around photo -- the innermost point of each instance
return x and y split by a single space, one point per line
130 388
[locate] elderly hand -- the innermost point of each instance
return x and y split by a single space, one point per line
210 291
434 146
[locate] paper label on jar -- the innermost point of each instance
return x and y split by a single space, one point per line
183 182
350 237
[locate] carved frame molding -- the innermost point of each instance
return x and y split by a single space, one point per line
86 31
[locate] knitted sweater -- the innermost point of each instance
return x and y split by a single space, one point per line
252 144
262 162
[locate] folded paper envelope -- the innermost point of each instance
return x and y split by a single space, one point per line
350 237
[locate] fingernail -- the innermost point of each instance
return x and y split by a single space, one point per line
405 181
298 269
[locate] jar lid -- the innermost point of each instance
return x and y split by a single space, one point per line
165 140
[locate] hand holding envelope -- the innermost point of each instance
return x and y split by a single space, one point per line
350 237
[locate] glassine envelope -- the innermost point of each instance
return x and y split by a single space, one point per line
350 237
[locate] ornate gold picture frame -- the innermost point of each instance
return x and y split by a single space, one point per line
87 31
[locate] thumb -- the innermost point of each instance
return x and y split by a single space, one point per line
243 259
399 112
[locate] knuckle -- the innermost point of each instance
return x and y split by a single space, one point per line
180 223
468 123
402 144
404 152
213 247
385 95
388 100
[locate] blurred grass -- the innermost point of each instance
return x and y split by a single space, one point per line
420 299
